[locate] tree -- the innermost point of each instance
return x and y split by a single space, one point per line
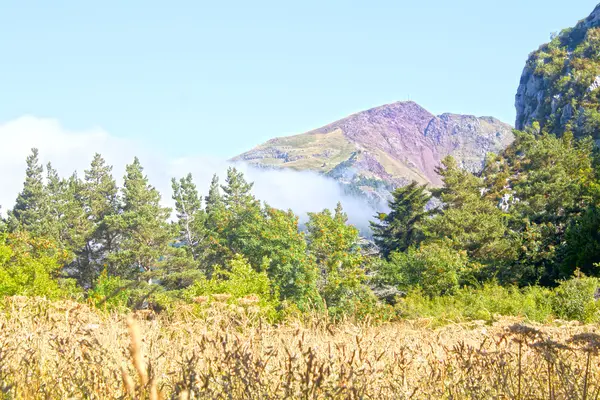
334 246
65 221
190 216
468 220
3 224
233 219
552 181
31 205
280 246
141 224
436 268
30 266
214 200
401 228
582 248
100 203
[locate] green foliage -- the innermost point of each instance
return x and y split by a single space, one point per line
485 302
30 266
110 293
582 249
435 267
31 206
284 248
100 204
401 228
240 281
141 226
190 216
552 181
569 65
574 299
334 246
468 220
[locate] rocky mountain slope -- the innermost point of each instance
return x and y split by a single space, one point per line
386 146
560 84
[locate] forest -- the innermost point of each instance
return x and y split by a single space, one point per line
518 238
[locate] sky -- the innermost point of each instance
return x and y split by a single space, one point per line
217 78
189 84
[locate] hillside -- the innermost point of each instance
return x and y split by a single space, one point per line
560 83
386 146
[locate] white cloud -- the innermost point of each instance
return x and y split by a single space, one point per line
73 150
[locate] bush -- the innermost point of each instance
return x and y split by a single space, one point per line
242 283
481 303
434 267
574 299
110 293
31 266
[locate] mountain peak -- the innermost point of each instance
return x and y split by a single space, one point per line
388 145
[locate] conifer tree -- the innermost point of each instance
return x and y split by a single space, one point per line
401 228
141 225
234 218
99 196
469 221
190 216
31 205
214 199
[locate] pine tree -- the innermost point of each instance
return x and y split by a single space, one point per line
99 195
141 224
30 208
468 219
214 200
190 216
400 229
232 219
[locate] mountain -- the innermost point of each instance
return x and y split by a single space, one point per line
560 84
375 150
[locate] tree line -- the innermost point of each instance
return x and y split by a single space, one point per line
530 217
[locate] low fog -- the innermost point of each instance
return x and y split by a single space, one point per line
71 151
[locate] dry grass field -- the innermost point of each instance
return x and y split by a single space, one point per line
65 350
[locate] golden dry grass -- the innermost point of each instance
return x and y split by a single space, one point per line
65 350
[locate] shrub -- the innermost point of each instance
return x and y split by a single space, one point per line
435 267
574 299
480 303
31 266
110 292
242 283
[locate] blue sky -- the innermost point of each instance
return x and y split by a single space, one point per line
217 78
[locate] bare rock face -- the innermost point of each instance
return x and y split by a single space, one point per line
558 86
385 147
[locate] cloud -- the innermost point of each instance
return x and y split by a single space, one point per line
71 151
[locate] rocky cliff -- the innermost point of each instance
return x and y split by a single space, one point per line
386 146
560 84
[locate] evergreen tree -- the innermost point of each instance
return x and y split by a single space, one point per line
234 222
551 181
470 221
100 203
186 259
400 229
31 205
214 200
141 224
190 216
